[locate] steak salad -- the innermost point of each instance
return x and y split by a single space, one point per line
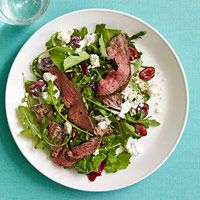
88 104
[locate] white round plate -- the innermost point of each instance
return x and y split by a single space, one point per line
173 102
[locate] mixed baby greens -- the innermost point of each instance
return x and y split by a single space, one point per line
75 61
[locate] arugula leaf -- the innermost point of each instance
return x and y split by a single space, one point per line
137 35
34 68
137 64
93 48
74 60
152 122
58 55
129 130
108 34
102 47
142 120
89 163
28 120
117 162
105 35
81 33
54 41
99 28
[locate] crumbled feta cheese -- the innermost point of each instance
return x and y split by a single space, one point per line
57 94
148 87
65 35
94 60
152 90
86 41
119 150
68 127
133 147
125 107
45 95
96 152
47 76
104 122
131 101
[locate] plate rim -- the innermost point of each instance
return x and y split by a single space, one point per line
176 58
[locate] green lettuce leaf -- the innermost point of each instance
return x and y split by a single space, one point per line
74 60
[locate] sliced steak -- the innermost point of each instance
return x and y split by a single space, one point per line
56 130
37 87
42 111
85 149
72 99
113 100
99 132
116 80
60 157
65 157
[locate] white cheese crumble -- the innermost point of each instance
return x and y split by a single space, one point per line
104 122
65 35
133 147
86 41
57 94
148 87
96 152
68 127
131 101
45 95
47 76
94 60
